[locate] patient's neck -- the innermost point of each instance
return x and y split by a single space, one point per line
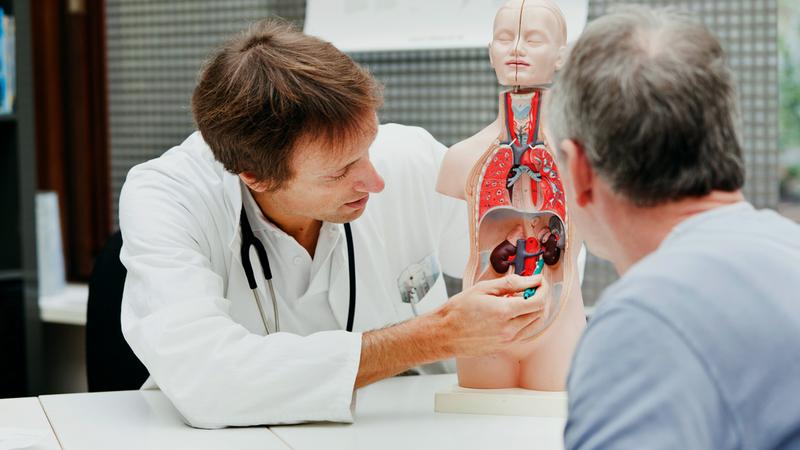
641 230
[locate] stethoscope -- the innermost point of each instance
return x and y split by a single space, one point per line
249 239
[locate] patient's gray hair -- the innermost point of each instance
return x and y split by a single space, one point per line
649 96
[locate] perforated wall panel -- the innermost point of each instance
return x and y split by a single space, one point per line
156 48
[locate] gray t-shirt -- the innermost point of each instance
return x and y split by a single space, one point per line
697 346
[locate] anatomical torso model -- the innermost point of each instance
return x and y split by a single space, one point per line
518 218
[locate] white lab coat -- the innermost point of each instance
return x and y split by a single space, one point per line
189 315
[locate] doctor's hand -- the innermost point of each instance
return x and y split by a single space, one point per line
484 319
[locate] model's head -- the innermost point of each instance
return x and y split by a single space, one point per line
528 42
289 112
643 113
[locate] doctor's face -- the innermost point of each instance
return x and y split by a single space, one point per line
331 185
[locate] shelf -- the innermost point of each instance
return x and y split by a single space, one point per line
7 275
67 307
8 6
23 368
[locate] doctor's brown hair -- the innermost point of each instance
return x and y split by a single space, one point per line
272 88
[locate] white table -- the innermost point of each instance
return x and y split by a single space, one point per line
140 420
392 414
398 414
27 413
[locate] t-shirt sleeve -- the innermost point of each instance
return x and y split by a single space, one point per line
636 383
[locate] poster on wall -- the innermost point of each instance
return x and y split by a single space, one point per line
382 25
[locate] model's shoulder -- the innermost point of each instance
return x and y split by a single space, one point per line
476 144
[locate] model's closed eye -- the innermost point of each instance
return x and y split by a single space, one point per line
535 37
504 36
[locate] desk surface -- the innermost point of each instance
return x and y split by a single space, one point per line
392 414
26 414
140 420
398 414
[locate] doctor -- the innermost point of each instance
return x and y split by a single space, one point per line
290 218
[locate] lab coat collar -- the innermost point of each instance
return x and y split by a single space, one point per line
332 247
233 192
230 186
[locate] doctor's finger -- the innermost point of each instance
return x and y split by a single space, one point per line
542 292
509 284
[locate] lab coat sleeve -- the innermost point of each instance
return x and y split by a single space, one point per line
176 320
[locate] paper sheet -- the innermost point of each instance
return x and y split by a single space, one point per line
380 25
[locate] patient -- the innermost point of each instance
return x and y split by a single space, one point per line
519 221
696 346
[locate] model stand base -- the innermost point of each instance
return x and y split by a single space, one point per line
502 402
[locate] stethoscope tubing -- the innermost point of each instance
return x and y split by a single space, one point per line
249 239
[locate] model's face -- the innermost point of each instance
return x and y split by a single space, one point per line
527 46
331 186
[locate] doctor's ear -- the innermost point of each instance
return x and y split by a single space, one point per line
581 173
252 182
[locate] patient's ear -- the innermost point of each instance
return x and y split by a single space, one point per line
252 182
580 171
